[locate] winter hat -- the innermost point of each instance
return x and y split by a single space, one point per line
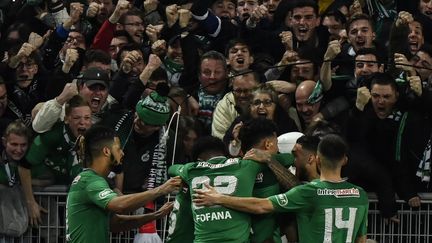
154 109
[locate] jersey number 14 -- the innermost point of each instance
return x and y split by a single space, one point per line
339 223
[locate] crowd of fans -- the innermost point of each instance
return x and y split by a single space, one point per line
362 69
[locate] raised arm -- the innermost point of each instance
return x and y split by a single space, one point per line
131 202
283 175
121 223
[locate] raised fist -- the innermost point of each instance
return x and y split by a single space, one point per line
154 62
76 10
259 13
404 18
93 10
363 96
70 59
35 40
287 39
150 5
415 85
69 91
25 50
333 49
129 61
159 47
171 14
184 17
121 8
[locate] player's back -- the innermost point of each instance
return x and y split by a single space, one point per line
228 176
336 211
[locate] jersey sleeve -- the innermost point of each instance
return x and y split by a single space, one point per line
296 199
285 159
253 166
175 170
37 151
100 193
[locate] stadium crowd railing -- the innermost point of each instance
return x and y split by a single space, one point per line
415 224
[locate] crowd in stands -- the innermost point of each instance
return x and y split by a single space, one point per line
362 69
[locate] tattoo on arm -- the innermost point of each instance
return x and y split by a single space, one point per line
287 179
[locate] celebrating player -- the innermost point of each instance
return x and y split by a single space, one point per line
90 200
328 209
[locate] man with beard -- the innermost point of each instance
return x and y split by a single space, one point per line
234 103
315 203
90 197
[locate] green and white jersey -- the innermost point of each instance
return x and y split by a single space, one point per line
87 219
326 212
264 227
181 224
228 176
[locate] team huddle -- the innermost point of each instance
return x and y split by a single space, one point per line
222 199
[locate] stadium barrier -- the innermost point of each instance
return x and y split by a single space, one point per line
415 224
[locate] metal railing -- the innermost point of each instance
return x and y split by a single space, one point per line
415 224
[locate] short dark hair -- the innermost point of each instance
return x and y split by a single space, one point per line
383 79
359 17
236 41
95 55
370 51
246 72
367 51
208 144
131 12
339 17
309 143
95 139
306 3
159 74
254 131
333 149
321 128
123 33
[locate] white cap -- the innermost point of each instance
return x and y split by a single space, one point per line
287 141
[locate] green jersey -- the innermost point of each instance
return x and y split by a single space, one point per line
264 226
326 212
181 224
53 152
228 176
87 219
